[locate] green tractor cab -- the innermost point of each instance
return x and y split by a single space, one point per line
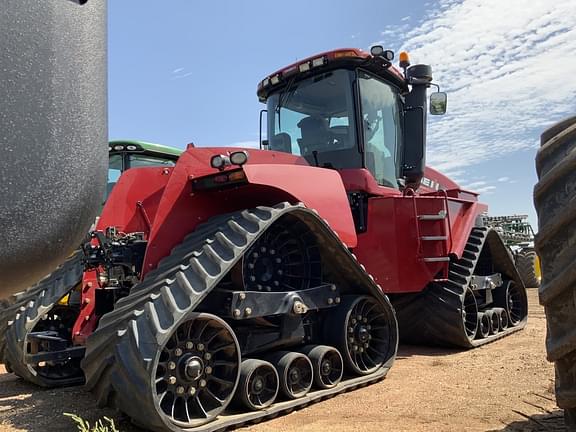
126 154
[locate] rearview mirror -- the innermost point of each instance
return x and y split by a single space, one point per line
438 102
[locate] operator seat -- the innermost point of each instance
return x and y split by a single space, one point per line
315 134
281 142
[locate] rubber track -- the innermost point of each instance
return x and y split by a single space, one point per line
526 265
121 353
555 202
18 302
39 300
434 316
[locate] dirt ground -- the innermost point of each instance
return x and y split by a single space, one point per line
505 386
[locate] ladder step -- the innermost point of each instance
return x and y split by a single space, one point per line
432 217
433 238
436 259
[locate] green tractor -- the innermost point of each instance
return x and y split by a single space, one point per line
123 155
519 237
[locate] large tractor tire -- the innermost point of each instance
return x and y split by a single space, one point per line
555 202
528 265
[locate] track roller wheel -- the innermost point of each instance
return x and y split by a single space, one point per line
494 321
483 325
295 372
327 363
509 297
258 385
197 371
361 331
502 317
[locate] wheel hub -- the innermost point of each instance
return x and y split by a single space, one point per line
193 368
257 385
294 375
326 367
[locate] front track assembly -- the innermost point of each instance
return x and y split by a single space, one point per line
41 321
206 343
454 312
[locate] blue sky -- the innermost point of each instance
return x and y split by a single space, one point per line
186 71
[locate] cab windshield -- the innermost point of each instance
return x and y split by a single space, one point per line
314 118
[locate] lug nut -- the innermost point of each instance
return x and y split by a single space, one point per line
351 340
365 320
242 296
237 313
262 249
359 317
276 283
248 311
330 300
252 278
268 288
189 345
192 391
353 321
337 300
350 329
255 254
202 383
208 370
280 272
368 327
200 347
180 390
171 365
207 356
172 380
333 288
251 266
278 260
272 251
259 287
178 352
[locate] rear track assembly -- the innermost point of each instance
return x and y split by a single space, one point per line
446 313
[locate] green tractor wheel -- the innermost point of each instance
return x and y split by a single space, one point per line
528 265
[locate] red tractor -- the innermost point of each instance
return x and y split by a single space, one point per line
241 284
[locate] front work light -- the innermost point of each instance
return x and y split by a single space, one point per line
219 162
239 157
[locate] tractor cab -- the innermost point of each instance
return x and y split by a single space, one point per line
347 109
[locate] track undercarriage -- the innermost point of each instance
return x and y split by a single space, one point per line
483 299
254 314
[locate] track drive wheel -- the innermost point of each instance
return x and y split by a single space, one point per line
258 385
196 371
360 329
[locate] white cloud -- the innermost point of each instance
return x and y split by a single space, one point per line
508 67
504 179
178 70
406 18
